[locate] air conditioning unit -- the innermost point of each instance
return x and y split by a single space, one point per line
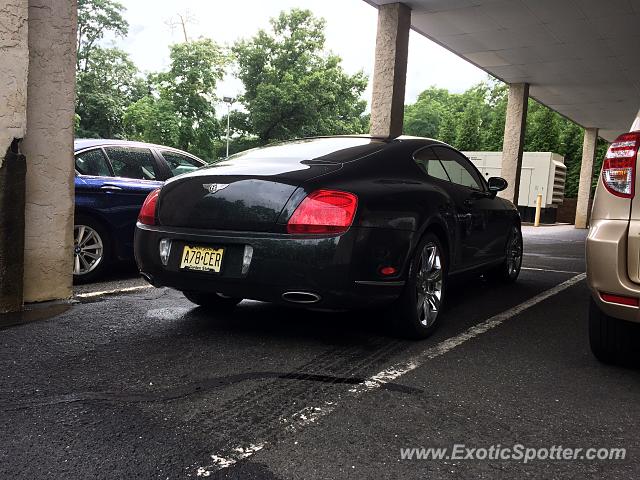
542 172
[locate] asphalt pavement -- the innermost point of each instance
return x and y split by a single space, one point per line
137 382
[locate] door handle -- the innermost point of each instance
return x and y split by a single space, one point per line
111 188
469 202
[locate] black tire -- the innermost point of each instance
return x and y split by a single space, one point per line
212 301
407 313
82 275
509 270
609 337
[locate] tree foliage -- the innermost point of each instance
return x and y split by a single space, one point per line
107 81
179 110
292 88
95 19
104 90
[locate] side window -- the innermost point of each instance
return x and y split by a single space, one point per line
132 162
430 164
179 163
92 162
458 168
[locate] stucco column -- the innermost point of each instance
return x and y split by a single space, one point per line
390 70
14 59
586 175
514 129
48 146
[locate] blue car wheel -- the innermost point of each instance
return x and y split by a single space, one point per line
91 249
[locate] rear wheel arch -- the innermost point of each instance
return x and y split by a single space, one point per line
440 231
416 312
99 218
95 216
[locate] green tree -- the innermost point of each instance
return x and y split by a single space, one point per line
570 146
447 130
95 18
496 107
106 79
153 120
292 87
542 133
424 117
104 89
468 128
179 109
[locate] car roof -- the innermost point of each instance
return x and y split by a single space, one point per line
82 143
400 138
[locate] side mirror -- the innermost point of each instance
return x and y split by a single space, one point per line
497 184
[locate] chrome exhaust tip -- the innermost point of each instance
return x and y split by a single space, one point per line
301 297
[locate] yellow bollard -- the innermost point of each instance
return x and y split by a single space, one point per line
538 210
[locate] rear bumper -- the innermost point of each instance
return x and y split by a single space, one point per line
607 270
342 270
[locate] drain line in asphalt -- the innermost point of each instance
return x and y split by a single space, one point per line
311 415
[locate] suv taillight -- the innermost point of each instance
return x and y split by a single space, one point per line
147 214
618 168
324 211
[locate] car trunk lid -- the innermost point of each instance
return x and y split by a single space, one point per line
248 191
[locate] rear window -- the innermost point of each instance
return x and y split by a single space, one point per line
335 150
132 162
92 162
179 163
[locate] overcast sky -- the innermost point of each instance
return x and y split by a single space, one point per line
351 31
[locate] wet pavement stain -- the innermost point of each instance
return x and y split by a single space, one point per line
34 313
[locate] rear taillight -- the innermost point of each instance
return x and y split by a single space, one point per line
618 168
147 213
324 211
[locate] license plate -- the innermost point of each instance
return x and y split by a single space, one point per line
203 259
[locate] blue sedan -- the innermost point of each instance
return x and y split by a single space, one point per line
113 178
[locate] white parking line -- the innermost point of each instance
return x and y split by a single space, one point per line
226 459
115 290
550 270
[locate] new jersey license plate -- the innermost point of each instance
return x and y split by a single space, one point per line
204 259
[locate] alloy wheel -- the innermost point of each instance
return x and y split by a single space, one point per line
88 249
429 284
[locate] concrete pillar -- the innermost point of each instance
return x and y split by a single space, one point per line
48 146
586 175
14 58
514 129
390 70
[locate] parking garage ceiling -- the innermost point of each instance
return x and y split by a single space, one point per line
580 57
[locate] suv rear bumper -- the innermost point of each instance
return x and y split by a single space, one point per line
607 267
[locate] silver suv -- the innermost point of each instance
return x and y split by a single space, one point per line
613 252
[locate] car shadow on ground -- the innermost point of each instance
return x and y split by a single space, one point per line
466 300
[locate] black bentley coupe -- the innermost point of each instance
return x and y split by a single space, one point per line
331 223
